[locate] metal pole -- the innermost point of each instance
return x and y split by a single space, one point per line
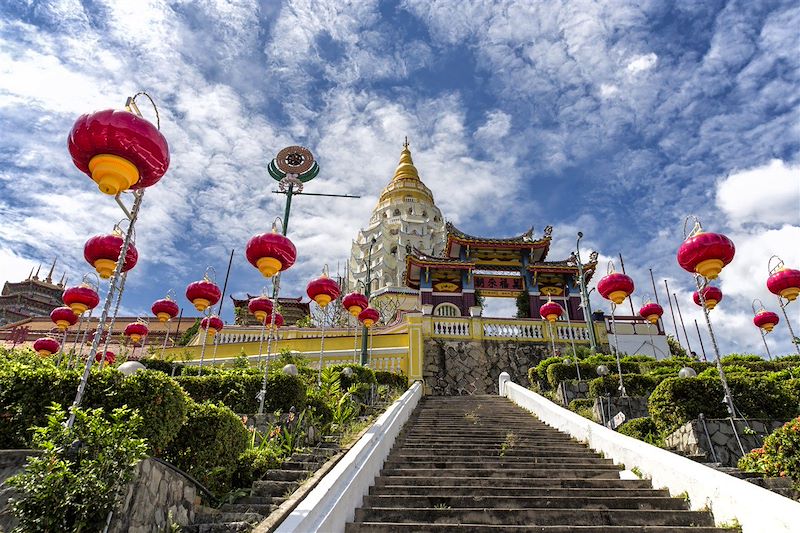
789 324
683 326
587 307
672 312
113 320
263 392
616 350
653 281
700 338
202 350
367 290
622 265
322 345
764 338
552 337
572 339
61 347
225 285
137 202
261 341
288 209
728 395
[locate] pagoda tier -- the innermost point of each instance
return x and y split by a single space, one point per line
30 297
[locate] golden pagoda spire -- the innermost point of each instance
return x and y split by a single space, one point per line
405 169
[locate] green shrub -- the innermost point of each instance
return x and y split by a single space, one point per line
643 429
80 475
538 374
581 403
238 390
361 374
162 366
161 403
209 444
253 464
638 358
319 408
780 455
635 385
556 373
675 401
736 358
395 380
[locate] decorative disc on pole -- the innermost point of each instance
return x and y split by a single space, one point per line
63 317
212 324
294 163
784 282
651 312
46 346
705 253
81 298
766 320
261 307
712 296
102 252
551 311
203 294
118 150
136 330
165 309
355 302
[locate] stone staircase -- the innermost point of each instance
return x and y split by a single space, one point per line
482 464
266 494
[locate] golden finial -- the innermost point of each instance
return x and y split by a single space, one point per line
405 144
406 168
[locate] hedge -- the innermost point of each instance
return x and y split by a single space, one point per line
635 385
253 464
394 380
161 365
238 390
643 429
361 374
556 373
780 455
675 401
209 444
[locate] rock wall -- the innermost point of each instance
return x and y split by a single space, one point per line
720 445
606 408
471 367
571 390
11 462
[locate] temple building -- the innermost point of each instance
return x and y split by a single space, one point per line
31 297
292 310
405 218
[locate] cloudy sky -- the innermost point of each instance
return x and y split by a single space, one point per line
614 118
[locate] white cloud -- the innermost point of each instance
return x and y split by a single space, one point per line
768 194
15 268
607 90
640 63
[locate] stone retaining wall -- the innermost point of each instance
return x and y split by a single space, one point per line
473 367
691 438
631 406
571 390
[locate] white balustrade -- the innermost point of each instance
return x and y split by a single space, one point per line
450 328
512 330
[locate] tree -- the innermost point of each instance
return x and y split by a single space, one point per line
523 305
189 333
675 348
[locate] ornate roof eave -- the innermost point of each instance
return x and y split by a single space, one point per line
524 240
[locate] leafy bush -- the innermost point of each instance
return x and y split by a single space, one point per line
209 444
395 380
635 385
80 475
643 429
556 373
780 455
238 390
253 464
538 374
675 401
27 390
361 374
736 358
319 408
162 365
161 403
637 358
583 407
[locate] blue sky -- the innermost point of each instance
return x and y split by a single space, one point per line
613 118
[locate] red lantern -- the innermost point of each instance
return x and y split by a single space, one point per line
212 324
203 294
706 253
278 320
80 299
785 283
323 290
118 150
102 252
551 311
136 330
766 320
165 309
615 287
110 357
46 346
651 312
63 317
712 296
355 302
261 307
270 253
369 316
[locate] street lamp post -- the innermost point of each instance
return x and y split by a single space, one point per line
587 308
367 286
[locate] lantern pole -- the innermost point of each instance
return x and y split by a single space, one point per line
113 319
83 339
261 340
203 348
322 345
117 275
572 338
789 324
727 390
367 287
587 307
616 350
672 312
61 347
683 326
262 394
700 338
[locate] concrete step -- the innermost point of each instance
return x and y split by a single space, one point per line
285 475
222 517
538 517
227 527
262 500
263 509
541 482
538 492
576 500
525 473
497 463
516 451
273 488
495 459
396 527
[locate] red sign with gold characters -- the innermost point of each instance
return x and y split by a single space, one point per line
499 285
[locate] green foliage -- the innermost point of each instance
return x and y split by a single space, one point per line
209 444
675 348
523 305
780 455
162 365
189 333
253 464
161 403
637 358
397 381
556 373
319 407
736 358
241 362
635 385
80 475
643 429
305 322
361 374
675 401
583 407
538 374
27 390
238 390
